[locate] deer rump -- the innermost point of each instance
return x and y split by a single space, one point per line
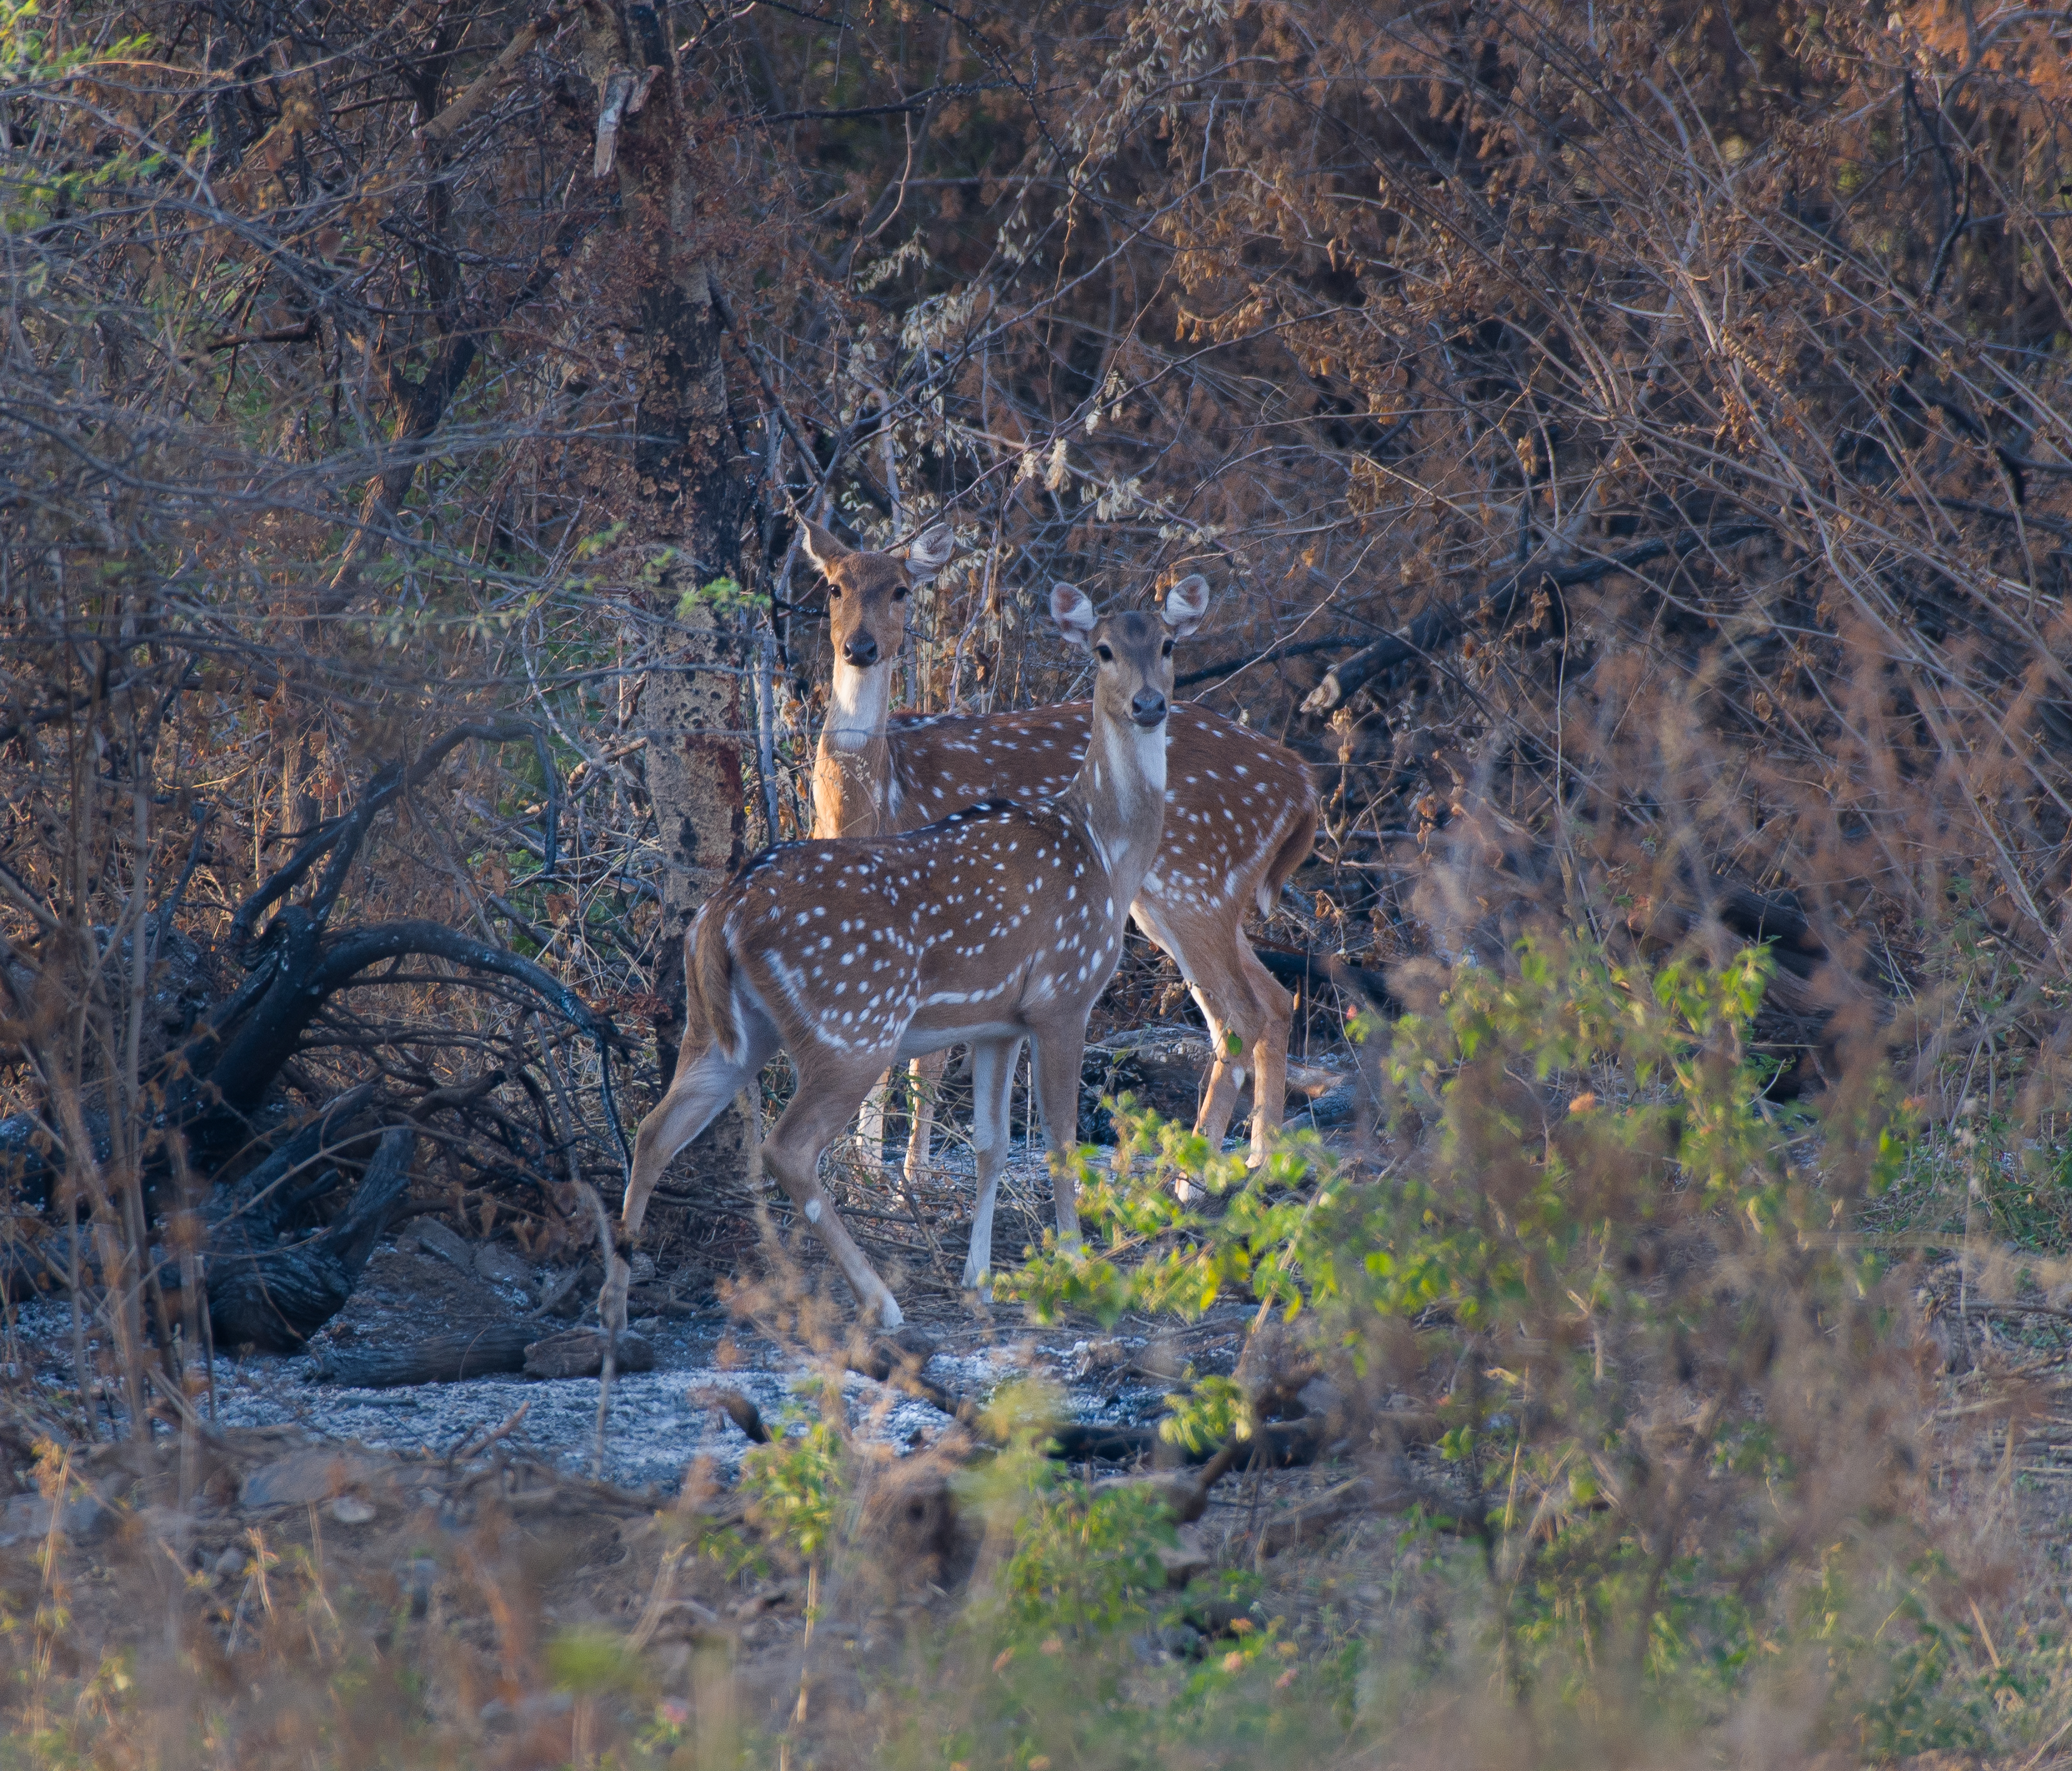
842 947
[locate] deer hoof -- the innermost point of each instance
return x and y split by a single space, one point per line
889 1315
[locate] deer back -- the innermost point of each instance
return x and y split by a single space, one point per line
996 914
1233 798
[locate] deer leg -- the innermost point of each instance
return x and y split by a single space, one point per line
870 1122
1212 1118
703 1084
992 1063
1058 1055
924 1075
792 1152
1275 1015
1225 1073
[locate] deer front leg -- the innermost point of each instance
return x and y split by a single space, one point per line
1059 1054
992 1088
792 1152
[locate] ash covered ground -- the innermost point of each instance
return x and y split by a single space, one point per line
425 1279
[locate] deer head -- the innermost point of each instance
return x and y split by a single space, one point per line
1132 654
867 603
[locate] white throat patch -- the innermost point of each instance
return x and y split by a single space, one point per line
857 707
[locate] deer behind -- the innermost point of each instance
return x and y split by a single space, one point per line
1240 816
1001 923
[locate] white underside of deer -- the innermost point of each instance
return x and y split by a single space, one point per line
1000 924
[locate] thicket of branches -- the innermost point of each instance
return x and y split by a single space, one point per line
1628 441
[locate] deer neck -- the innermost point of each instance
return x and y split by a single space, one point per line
853 784
856 708
1120 792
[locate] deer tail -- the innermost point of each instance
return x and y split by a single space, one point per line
711 977
1293 851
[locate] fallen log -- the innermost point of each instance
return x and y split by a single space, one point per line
443 1359
580 1354
1281 1445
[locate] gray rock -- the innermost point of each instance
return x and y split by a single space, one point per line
1185 1560
419 1575
83 1519
434 1237
318 1474
501 1265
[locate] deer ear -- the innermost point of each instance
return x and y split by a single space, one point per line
1186 603
1073 614
821 547
929 551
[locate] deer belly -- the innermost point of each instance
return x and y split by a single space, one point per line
920 1041
948 1017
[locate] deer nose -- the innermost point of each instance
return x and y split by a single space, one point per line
861 651
1147 707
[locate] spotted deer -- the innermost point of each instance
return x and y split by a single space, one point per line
1000 923
1240 816
849 765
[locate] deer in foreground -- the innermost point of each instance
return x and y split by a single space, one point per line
1240 816
1001 922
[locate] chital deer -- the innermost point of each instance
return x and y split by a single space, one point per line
1240 816
867 594
1001 923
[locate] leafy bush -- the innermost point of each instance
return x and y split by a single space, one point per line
1661 1367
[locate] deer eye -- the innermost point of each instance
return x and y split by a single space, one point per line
834 591
1166 650
1105 655
900 594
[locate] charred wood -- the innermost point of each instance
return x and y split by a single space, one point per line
442 1358
276 1299
579 1353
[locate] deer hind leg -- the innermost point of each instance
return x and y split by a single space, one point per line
992 1062
924 1076
828 1094
1212 1118
703 1084
1273 1015
1059 1052
1225 1073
